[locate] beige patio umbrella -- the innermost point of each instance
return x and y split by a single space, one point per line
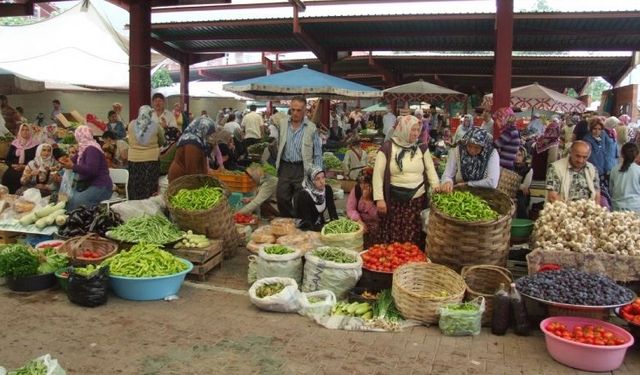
422 91
539 97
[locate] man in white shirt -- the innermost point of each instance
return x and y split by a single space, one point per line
388 121
231 126
160 114
252 124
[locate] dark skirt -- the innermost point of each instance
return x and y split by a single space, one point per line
372 235
539 165
402 222
143 179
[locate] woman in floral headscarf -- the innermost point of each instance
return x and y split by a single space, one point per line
42 171
21 152
545 149
145 138
362 208
312 201
93 184
474 162
467 124
402 173
193 150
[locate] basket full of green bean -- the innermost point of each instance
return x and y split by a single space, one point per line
200 203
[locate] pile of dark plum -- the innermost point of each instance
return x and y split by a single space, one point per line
574 287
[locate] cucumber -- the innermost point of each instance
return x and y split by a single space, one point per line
28 219
49 209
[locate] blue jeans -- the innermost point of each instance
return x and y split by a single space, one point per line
89 198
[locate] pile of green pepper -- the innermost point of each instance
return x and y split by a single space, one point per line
150 229
197 199
334 254
341 226
144 260
278 250
463 205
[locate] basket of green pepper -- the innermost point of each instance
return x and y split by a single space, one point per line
462 319
344 233
470 226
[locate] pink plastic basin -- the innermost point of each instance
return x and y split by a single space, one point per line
584 356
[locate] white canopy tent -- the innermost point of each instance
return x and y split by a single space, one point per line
78 47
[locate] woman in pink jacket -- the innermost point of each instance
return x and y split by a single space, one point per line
362 208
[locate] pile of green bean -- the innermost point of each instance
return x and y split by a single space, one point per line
197 199
334 254
144 260
465 206
341 226
150 229
278 250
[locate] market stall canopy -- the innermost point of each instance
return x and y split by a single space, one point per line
12 83
78 47
380 107
199 90
303 81
423 91
539 97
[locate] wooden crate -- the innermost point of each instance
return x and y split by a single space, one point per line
8 237
203 259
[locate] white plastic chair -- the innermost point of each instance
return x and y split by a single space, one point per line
118 176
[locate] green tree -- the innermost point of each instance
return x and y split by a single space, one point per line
539 6
161 78
572 93
596 87
17 21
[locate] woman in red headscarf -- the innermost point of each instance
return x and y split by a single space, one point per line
21 152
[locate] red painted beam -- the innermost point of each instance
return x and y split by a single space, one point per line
16 10
139 56
503 50
307 40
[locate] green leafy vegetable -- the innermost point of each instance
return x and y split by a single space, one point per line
18 262
34 367
53 261
331 161
385 307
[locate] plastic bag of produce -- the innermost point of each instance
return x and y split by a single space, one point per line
252 269
317 303
337 233
279 261
338 275
279 294
136 208
42 365
462 319
90 291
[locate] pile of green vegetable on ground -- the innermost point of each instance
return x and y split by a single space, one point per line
19 261
464 205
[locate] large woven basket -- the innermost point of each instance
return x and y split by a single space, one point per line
215 222
509 182
420 289
74 247
484 280
456 243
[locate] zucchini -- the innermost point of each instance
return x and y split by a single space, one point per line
48 220
49 209
28 219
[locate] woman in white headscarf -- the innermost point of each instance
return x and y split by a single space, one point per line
467 124
42 171
402 173
145 138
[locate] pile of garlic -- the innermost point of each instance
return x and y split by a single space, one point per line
584 226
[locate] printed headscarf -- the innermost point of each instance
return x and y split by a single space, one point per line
401 136
41 164
467 122
474 168
550 137
502 117
23 143
144 126
84 136
197 133
316 194
625 119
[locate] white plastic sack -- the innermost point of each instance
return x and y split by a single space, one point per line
251 270
32 195
288 300
53 367
136 208
272 265
339 278
323 307
350 241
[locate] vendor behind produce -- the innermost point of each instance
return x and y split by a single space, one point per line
21 152
403 171
94 183
192 152
265 196
313 200
355 159
362 208
573 178
474 162
42 172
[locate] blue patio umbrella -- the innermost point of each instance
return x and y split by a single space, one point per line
303 81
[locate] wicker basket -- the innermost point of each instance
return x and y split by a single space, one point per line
215 222
420 289
484 280
74 247
509 182
456 243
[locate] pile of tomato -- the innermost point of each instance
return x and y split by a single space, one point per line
90 254
244 218
388 257
593 335
631 312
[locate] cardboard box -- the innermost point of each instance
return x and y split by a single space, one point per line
67 117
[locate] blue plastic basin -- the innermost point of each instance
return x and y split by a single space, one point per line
148 288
